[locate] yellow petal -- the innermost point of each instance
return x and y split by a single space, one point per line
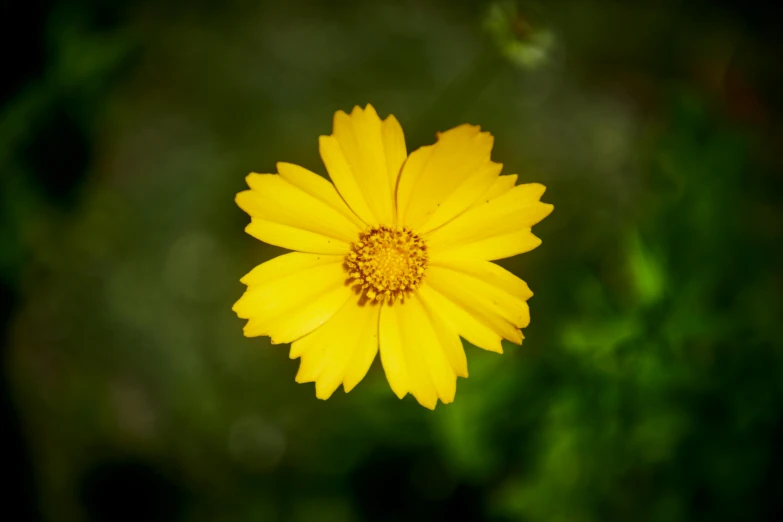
491 274
363 156
273 199
419 383
300 321
489 249
474 331
341 351
464 196
343 178
436 362
363 356
519 208
273 285
449 340
504 301
498 247
392 353
349 363
295 238
292 295
497 310
285 265
458 155
500 186
413 357
319 188
396 151
411 172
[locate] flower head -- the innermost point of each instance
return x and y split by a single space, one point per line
395 256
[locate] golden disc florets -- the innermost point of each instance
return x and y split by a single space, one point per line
387 263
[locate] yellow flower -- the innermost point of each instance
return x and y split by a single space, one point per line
395 256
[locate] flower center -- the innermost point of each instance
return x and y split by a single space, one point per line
386 263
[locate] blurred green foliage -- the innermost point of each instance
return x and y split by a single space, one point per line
649 386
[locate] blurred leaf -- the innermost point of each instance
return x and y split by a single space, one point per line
522 44
646 271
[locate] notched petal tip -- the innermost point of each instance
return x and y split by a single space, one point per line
323 393
391 118
496 347
253 329
518 339
250 177
536 243
339 113
471 133
370 109
301 377
399 388
533 191
429 405
464 127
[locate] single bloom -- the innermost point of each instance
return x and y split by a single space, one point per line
395 255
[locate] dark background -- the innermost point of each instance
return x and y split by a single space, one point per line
650 383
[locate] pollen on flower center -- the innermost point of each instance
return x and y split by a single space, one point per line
387 263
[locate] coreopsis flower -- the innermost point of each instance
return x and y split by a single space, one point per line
394 256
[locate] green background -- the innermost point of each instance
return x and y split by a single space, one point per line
650 383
